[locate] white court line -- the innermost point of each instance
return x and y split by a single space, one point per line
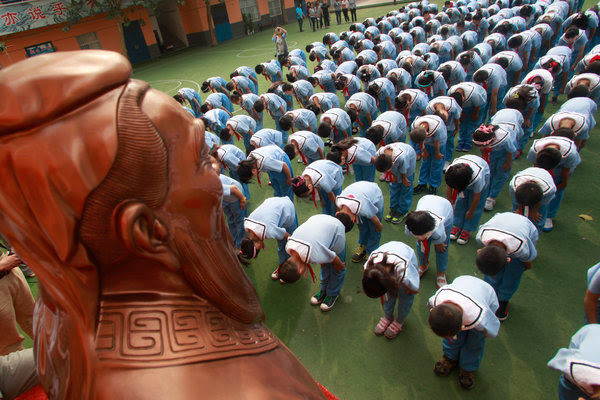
239 54
176 80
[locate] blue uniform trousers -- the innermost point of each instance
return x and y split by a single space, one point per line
281 253
554 204
364 172
468 126
466 348
403 298
401 196
543 210
328 205
331 279
367 235
568 391
431 169
441 259
498 176
462 206
507 281
235 221
279 182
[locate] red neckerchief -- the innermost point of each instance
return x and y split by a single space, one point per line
337 135
322 87
595 58
313 198
346 91
304 160
485 154
212 90
388 176
382 143
571 45
421 147
484 84
265 74
382 300
237 135
405 113
465 68
292 128
258 179
312 273
454 196
551 173
427 90
425 244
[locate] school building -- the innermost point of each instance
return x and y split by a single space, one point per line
28 28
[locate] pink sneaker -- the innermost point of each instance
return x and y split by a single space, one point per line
382 326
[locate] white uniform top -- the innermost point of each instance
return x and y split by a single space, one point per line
516 232
477 299
540 177
404 260
319 240
442 212
363 198
580 363
481 171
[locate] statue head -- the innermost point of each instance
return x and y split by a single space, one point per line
108 191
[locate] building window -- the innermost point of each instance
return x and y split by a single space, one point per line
89 41
249 7
274 7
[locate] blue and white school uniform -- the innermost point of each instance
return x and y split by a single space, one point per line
476 63
327 101
480 182
243 125
230 156
531 108
247 104
326 81
386 92
320 53
299 71
365 200
437 88
272 71
541 178
368 56
276 107
547 84
267 137
346 68
479 303
340 122
308 145
394 127
581 129
244 85
248 72
443 214
217 119
475 97
579 43
319 240
231 208
190 94
496 80
211 140
431 169
454 112
303 89
417 104
503 144
388 50
352 86
579 364
345 55
271 220
562 55
270 159
570 160
583 105
403 77
217 84
360 155
406 272
594 86
444 50
593 283
518 234
303 120
404 163
457 73
326 176
365 104
386 65
218 100
515 64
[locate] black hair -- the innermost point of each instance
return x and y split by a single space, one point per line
377 281
418 135
525 11
433 49
225 135
352 114
503 62
426 79
346 220
314 108
444 31
206 122
365 75
290 77
466 58
299 189
234 74
339 84
581 21
344 144
515 41
335 156
283 59
324 129
204 108
571 32
593 68
458 97
235 96
377 48
178 98
408 67
247 249
445 70
481 136
312 57
312 80
578 91
491 259
398 40
285 122
290 150
309 47
250 149
552 66
259 68
443 116
445 320
326 39
244 170
548 158
419 222
516 103
230 86
375 134
481 76
205 86
383 162
359 61
564 132
458 176
287 86
259 106
401 102
288 271
528 194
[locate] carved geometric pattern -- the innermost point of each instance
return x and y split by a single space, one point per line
174 332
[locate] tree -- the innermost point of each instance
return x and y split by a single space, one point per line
283 13
211 24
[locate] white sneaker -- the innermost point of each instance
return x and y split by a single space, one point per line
489 204
300 161
548 225
275 274
446 165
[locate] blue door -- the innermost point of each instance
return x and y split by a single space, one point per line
137 50
221 21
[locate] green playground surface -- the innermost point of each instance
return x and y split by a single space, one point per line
339 347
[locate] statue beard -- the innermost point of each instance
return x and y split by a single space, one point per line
211 267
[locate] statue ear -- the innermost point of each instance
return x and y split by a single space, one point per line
143 234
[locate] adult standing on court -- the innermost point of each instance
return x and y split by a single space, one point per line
281 47
325 9
337 4
299 15
352 6
345 10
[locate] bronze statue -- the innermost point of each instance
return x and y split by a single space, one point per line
109 195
